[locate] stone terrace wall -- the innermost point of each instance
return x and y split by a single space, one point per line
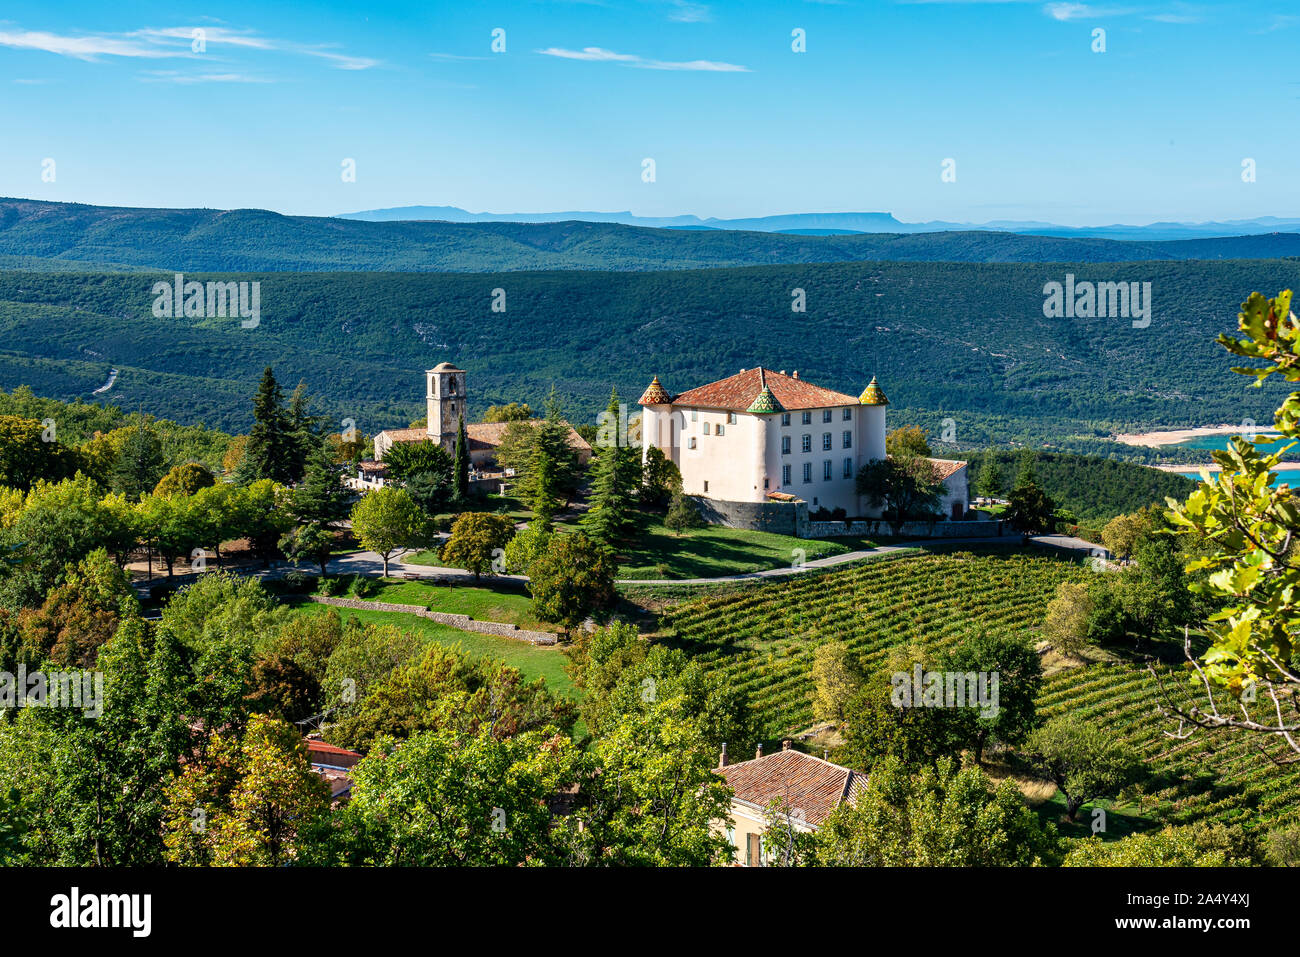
781 518
463 622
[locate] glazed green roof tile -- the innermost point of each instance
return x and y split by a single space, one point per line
765 403
873 394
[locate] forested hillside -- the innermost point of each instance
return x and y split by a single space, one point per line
40 235
1090 489
952 341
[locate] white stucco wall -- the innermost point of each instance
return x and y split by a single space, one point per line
747 460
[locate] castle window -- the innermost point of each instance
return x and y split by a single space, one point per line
706 485
826 471
706 428
695 415
692 442
807 418
848 468
826 441
807 471
718 430
785 475
785 418
785 445
848 439
731 418
848 414
826 415
765 483
807 443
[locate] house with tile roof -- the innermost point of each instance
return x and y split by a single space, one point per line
763 437
807 788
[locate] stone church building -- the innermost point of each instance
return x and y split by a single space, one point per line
446 400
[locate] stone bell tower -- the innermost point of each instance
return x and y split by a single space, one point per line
446 398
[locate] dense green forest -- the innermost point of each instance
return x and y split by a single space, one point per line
964 342
1092 490
40 235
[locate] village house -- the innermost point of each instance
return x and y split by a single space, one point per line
760 439
447 401
334 765
808 788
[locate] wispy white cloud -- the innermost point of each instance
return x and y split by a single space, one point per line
684 11
176 76
89 47
1068 10
216 35
588 53
340 60
597 54
176 41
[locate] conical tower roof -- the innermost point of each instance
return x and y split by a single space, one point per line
765 403
656 394
873 394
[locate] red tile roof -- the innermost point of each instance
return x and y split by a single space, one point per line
490 434
738 392
946 468
806 784
483 436
322 753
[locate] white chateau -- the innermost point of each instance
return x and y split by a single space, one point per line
763 437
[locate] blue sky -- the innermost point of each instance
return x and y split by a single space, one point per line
1040 126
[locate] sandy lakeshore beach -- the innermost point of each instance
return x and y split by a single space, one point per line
1153 440
1195 470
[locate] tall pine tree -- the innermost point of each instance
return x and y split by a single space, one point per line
140 463
322 498
271 446
304 430
616 476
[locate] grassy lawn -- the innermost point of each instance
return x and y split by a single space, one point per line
1121 819
658 552
531 660
512 606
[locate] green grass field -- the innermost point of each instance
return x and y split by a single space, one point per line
713 551
532 660
655 551
481 602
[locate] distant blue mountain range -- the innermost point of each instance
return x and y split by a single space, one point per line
831 224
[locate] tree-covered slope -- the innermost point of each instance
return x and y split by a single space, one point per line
955 341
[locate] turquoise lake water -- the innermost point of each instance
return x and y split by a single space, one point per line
1208 442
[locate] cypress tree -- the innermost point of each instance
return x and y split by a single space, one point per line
462 464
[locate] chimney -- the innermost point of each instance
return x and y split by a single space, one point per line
722 760
794 374
785 745
759 753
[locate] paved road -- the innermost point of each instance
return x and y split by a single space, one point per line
369 563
